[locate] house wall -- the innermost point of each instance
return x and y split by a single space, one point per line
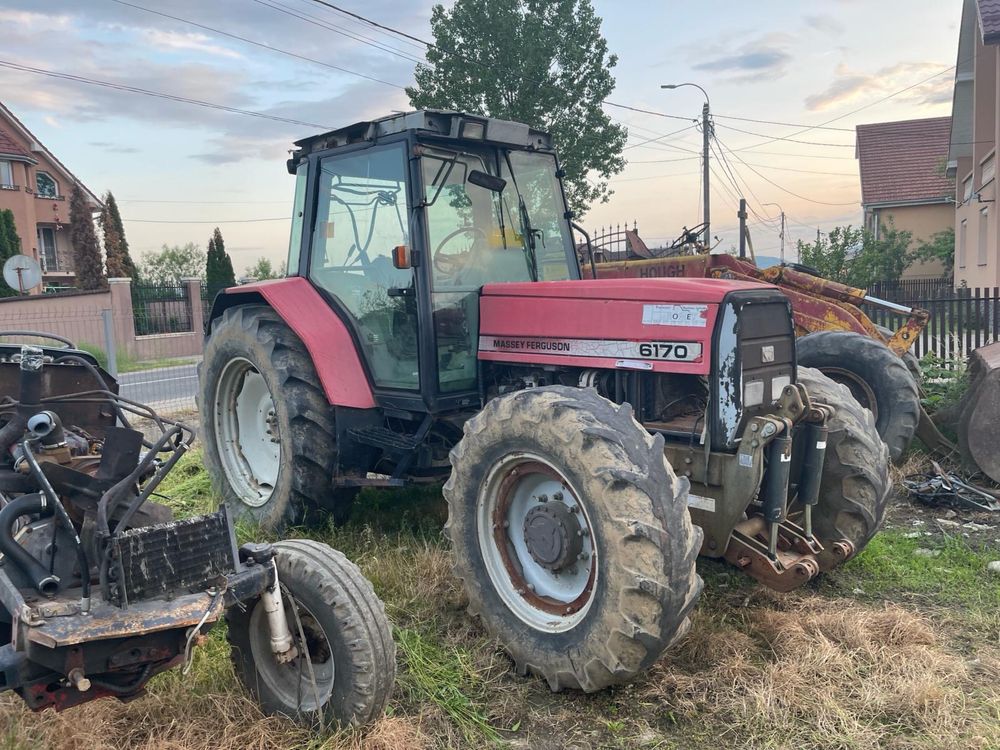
922 222
977 220
30 209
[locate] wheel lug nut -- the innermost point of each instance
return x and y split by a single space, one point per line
557 496
542 498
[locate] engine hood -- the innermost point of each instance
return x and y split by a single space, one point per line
679 290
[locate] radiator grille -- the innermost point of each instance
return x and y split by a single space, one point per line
172 558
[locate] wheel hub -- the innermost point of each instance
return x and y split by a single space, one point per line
553 535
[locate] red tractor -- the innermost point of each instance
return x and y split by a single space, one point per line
598 434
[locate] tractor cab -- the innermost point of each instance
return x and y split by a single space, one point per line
399 223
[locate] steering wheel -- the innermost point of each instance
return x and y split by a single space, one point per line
449 265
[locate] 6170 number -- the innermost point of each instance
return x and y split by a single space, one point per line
663 351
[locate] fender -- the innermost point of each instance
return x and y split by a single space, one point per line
325 335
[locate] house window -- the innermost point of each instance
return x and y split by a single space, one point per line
47 248
989 170
984 223
967 190
45 186
963 232
6 174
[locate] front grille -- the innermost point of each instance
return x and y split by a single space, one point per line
173 558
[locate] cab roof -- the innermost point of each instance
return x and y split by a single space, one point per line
437 123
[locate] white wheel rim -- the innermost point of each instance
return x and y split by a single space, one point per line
246 430
548 601
291 681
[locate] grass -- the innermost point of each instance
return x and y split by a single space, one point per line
912 663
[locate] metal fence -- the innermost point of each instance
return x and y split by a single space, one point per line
960 319
161 309
152 342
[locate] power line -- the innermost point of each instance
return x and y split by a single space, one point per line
659 138
243 39
783 138
784 189
155 94
785 124
803 171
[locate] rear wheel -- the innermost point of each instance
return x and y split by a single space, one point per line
346 635
270 458
875 376
855 487
571 535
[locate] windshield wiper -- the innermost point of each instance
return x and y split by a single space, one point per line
529 231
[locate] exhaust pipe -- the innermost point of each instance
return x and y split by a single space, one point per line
45 582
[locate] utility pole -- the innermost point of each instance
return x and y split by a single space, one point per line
743 227
706 139
706 134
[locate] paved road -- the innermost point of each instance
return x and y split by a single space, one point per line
174 384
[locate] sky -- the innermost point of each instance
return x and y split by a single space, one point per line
179 169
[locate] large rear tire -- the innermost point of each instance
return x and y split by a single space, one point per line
270 458
855 488
571 535
347 636
876 377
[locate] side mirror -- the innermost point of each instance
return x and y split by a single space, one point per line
488 181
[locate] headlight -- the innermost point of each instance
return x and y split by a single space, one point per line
753 393
778 385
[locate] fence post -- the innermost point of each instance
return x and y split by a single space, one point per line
193 288
121 306
109 342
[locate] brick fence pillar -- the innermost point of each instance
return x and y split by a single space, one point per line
121 311
194 300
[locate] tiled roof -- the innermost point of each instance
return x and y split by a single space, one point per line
9 146
902 162
989 19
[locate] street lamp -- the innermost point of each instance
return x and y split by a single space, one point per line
706 134
782 235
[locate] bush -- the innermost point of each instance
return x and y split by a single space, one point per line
943 382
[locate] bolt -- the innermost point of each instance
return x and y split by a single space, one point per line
583 556
754 427
506 524
687 460
78 680
542 498
755 443
584 532
531 587
557 496
574 509
569 610
687 473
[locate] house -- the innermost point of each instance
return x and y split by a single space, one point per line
975 130
903 181
36 186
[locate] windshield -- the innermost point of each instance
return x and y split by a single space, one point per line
478 235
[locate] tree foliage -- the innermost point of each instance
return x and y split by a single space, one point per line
541 62
854 256
219 272
86 249
263 269
940 247
171 265
10 245
117 261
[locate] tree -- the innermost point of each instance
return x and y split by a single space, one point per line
171 265
263 269
541 62
856 257
117 260
10 244
940 247
219 272
86 249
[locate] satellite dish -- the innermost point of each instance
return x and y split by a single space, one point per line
22 273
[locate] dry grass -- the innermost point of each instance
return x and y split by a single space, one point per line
818 673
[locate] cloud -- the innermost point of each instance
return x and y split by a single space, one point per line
166 40
764 55
824 23
851 86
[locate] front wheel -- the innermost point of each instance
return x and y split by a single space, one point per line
351 665
855 488
571 535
